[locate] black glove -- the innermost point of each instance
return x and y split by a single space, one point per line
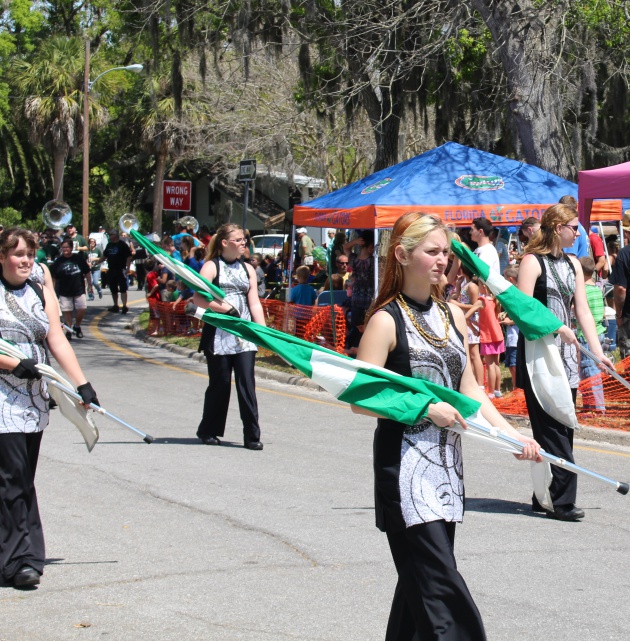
88 395
233 312
26 370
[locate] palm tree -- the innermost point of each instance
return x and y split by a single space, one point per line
51 83
161 132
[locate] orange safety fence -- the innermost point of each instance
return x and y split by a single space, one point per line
591 392
313 324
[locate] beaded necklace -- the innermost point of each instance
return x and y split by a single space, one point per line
431 338
562 288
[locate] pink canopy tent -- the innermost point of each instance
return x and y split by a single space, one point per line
607 182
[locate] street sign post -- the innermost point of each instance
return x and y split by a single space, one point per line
246 174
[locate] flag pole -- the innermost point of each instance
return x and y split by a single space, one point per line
620 486
609 371
145 437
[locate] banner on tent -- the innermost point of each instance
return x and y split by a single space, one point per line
382 217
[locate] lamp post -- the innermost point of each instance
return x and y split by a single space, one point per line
87 87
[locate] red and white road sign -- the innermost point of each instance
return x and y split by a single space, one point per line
176 195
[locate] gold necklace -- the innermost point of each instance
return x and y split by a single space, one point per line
432 339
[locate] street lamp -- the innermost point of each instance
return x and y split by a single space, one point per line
87 87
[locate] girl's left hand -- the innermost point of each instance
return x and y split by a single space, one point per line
606 362
531 450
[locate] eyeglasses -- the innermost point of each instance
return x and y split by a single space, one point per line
238 241
574 228
342 262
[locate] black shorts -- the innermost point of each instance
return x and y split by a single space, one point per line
117 282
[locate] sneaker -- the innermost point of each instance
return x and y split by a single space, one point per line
114 308
77 331
69 336
100 293
497 393
124 310
90 296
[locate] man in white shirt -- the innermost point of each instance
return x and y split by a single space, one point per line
480 234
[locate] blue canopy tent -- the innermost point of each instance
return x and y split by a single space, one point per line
456 182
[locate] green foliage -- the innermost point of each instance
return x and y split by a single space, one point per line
466 54
10 217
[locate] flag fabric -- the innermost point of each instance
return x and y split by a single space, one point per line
193 279
543 362
528 314
399 398
69 407
387 394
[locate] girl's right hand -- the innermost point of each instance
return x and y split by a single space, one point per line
445 415
567 335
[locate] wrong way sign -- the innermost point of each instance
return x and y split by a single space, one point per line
176 195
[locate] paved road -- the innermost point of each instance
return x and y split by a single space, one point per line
176 541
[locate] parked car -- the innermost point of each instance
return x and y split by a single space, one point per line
269 243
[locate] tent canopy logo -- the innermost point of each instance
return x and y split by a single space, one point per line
480 183
370 189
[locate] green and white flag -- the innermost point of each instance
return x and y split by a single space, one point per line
528 314
544 365
193 279
399 398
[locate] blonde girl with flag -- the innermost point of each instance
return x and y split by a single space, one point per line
418 468
225 353
557 281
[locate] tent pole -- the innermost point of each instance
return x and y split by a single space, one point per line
289 261
601 229
376 251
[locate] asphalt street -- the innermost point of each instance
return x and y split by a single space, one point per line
177 541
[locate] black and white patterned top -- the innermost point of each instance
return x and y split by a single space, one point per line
37 274
233 279
23 321
431 472
559 279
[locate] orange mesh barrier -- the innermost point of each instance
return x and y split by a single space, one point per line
313 324
167 319
616 399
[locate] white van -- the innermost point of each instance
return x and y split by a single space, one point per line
269 244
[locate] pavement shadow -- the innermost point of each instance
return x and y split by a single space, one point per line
192 441
64 562
500 506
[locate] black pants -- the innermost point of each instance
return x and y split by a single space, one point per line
432 600
556 439
217 400
21 534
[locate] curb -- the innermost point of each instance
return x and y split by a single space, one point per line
261 372
584 433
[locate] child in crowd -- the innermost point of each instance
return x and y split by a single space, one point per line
256 261
466 297
491 344
337 282
197 260
153 292
593 397
152 284
511 330
182 291
303 293
169 293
